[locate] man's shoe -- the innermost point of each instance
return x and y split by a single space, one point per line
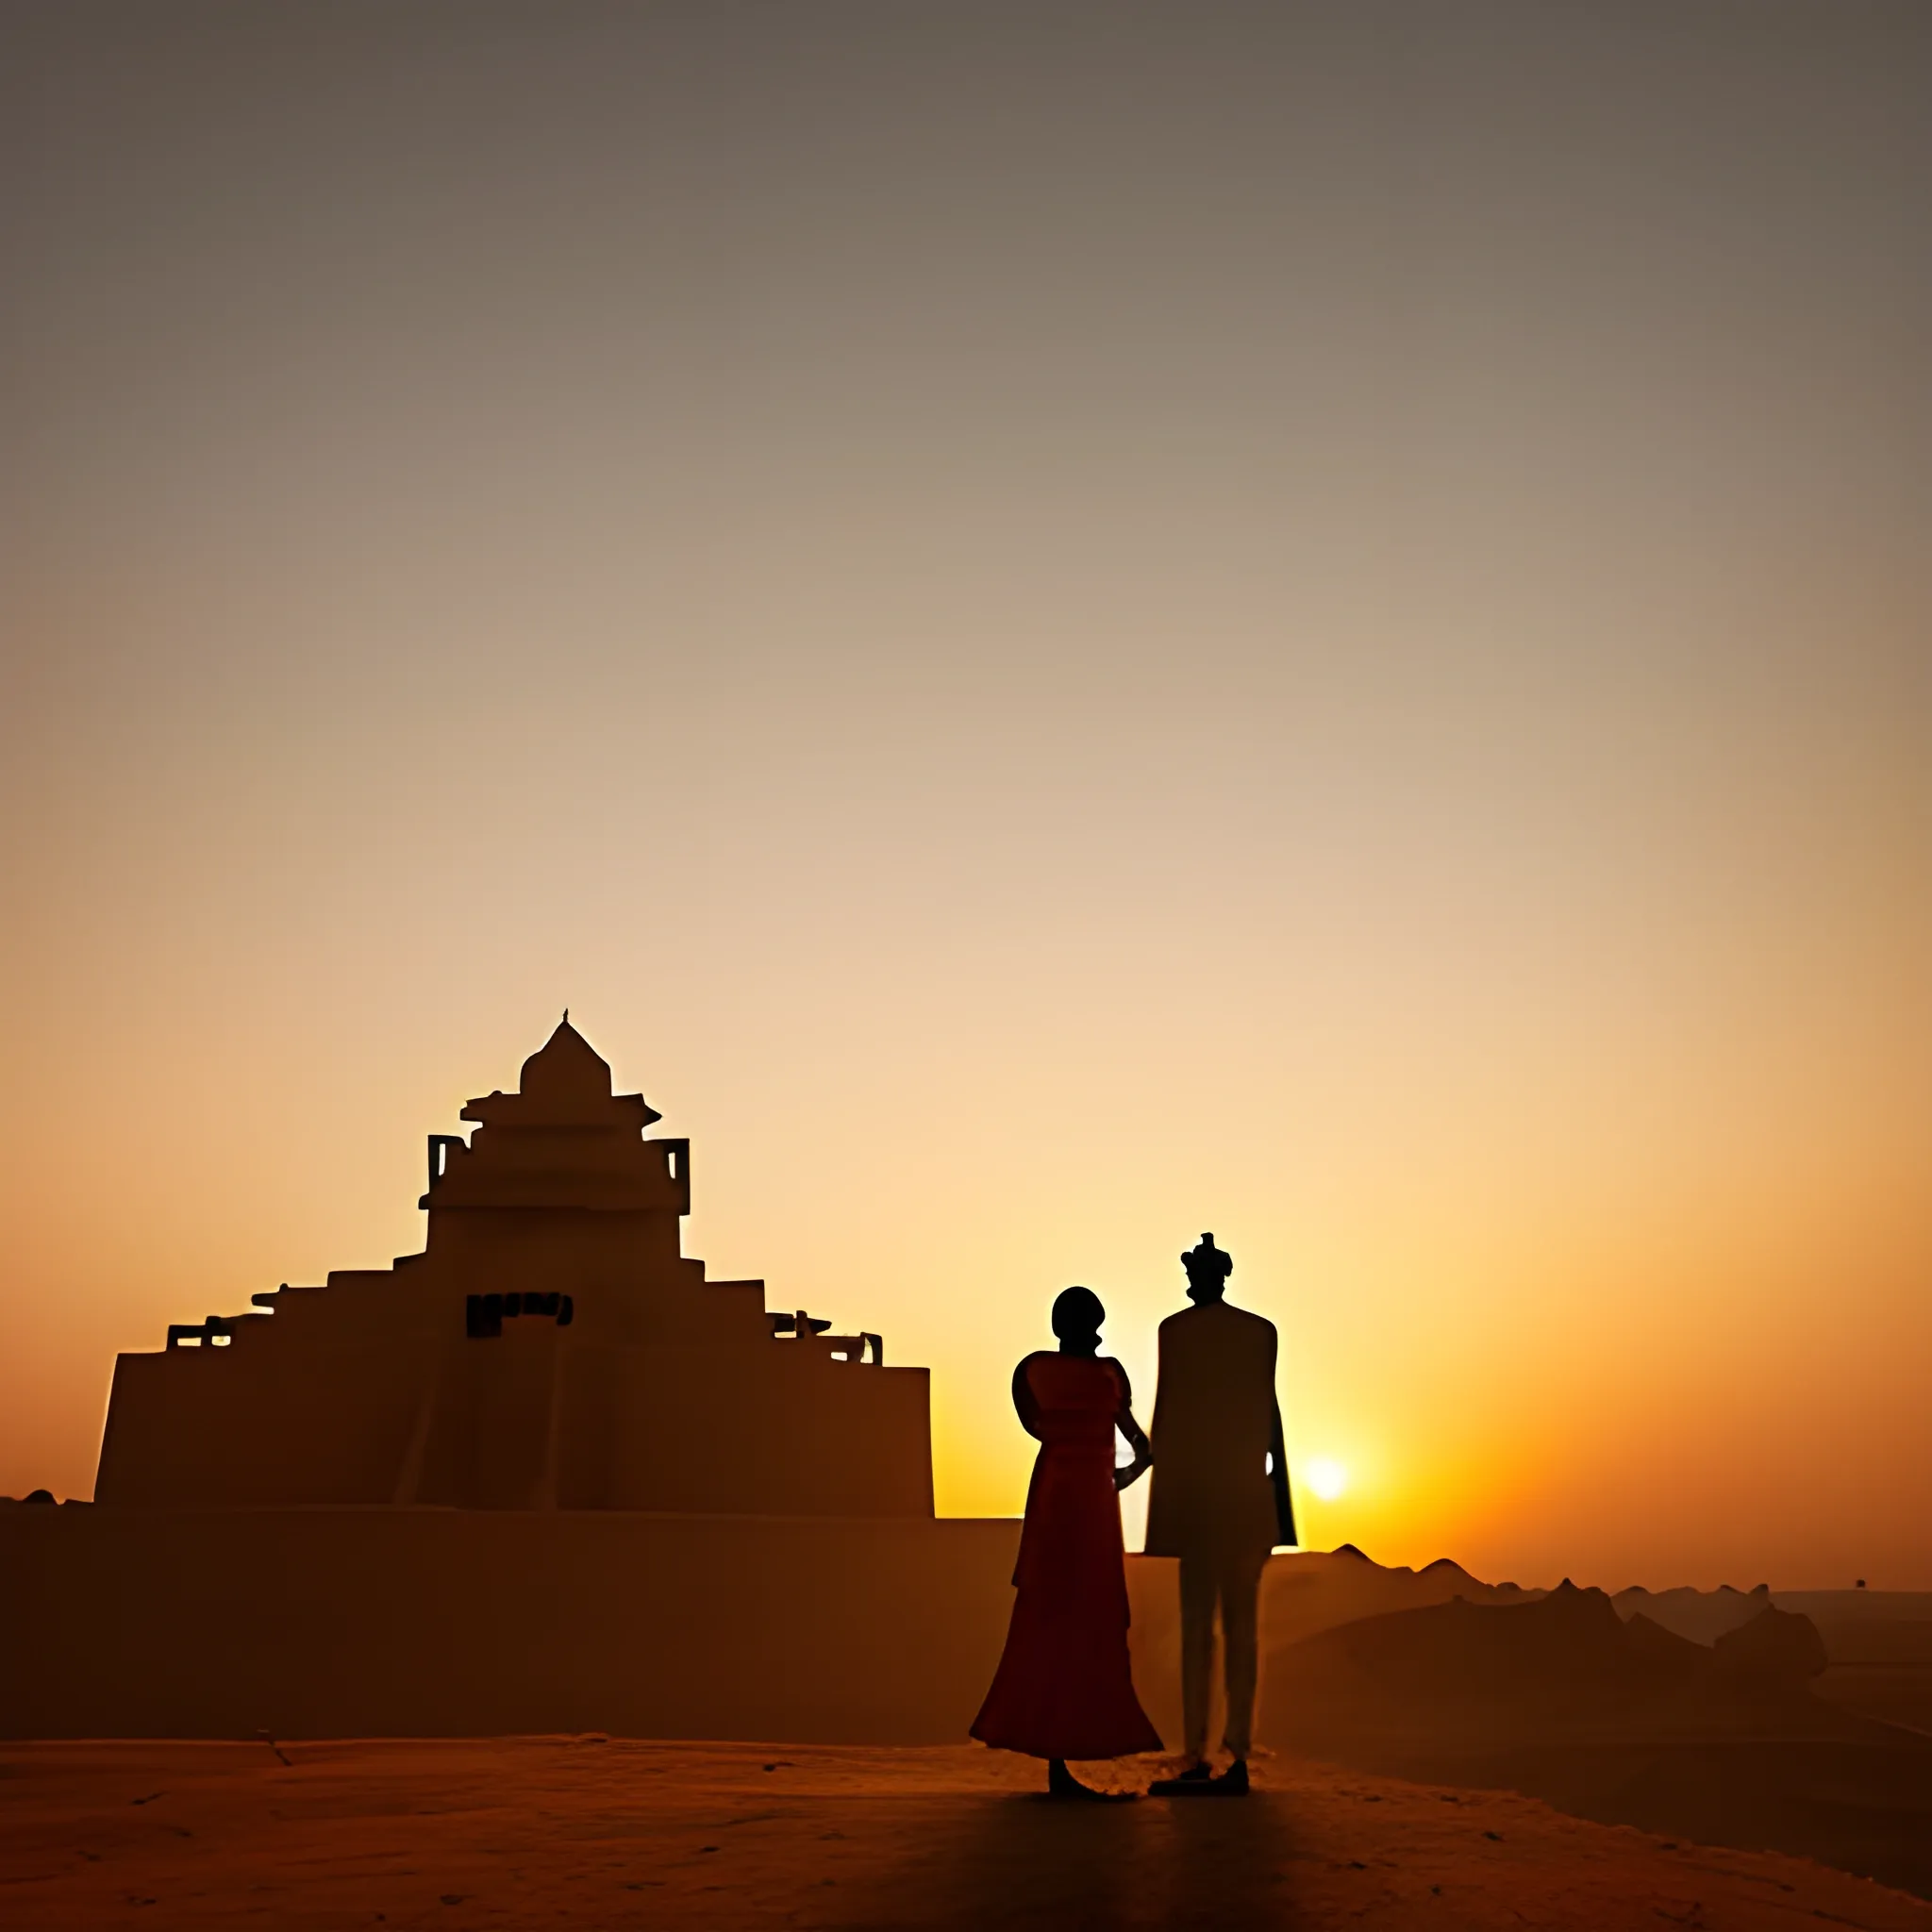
1200 1782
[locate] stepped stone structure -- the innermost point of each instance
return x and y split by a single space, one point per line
551 1348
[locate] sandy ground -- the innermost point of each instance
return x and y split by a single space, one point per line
561 1832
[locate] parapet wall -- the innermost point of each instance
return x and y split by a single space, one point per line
450 1622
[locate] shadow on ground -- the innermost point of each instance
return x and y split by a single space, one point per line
1020 1860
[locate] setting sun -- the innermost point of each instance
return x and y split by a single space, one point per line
1326 1477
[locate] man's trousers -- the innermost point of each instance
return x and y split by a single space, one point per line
1232 1580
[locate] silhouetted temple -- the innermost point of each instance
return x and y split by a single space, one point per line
541 1477
551 1348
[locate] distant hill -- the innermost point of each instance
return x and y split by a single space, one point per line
1616 1717
1703 1616
1312 1591
1563 1665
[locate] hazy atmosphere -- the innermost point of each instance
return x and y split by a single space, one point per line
1057 627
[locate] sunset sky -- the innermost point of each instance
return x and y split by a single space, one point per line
1057 626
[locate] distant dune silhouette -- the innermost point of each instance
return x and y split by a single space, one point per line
1617 1719
1703 1616
1562 1665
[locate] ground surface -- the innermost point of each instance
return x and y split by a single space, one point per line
549 1832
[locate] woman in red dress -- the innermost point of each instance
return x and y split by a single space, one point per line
1063 1689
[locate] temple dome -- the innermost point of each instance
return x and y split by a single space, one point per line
566 1082
566 1066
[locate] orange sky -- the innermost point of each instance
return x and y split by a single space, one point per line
1056 631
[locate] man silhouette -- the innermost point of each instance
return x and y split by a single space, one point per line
1220 1502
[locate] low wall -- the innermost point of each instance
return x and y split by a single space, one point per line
443 1622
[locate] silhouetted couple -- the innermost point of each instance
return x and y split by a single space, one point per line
1220 1503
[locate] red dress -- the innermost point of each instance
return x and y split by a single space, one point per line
1063 1688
